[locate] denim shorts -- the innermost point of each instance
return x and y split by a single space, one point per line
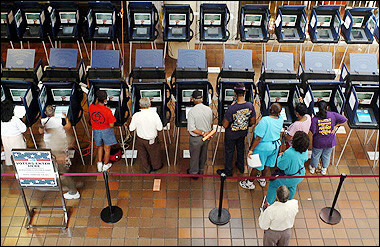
106 136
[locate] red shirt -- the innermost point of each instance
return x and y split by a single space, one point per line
101 117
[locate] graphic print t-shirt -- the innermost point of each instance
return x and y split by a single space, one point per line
101 117
239 116
322 129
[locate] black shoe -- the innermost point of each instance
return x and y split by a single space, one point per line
154 170
220 171
187 171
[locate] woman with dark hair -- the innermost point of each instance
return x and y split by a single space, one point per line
323 127
302 124
292 162
11 130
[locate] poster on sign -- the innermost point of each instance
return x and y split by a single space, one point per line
34 168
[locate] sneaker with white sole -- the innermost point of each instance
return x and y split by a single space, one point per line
100 166
106 167
246 184
311 169
323 171
70 196
262 182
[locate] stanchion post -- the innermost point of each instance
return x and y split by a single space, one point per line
220 216
330 215
110 214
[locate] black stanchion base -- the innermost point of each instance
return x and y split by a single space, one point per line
325 216
107 217
222 220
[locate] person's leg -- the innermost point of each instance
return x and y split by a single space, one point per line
326 155
271 193
270 238
203 157
66 181
109 139
315 156
240 149
107 152
155 155
229 148
195 147
142 154
284 237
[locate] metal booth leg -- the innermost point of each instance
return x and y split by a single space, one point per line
166 147
176 147
344 147
80 150
133 146
376 145
84 123
370 137
219 131
122 142
85 48
365 136
46 54
130 56
80 50
34 140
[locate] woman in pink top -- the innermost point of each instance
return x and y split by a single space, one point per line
302 124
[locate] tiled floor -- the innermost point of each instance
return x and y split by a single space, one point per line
178 213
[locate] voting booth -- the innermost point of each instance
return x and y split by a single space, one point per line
177 19
32 21
376 30
324 24
358 26
60 87
278 83
214 18
290 24
362 95
8 23
148 80
143 18
65 20
254 23
101 21
318 82
19 84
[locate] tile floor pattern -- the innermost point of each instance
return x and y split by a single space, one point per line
178 213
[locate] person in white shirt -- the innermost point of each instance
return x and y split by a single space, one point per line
11 130
147 123
278 219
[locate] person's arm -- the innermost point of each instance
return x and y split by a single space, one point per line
252 120
225 123
283 161
112 118
20 125
132 125
159 125
313 126
264 219
67 125
254 145
227 120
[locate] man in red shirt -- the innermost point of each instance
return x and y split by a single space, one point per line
102 121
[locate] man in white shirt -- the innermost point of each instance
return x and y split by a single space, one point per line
278 219
199 124
147 123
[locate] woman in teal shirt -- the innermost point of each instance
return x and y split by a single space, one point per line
292 162
266 144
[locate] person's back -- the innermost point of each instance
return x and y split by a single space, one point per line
101 116
270 134
146 122
239 116
202 116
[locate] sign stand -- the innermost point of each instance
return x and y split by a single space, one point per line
37 169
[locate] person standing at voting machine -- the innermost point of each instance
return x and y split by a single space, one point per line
199 125
237 119
323 127
266 144
147 123
102 122
12 129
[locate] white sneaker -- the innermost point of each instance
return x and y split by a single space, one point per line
100 166
262 182
323 171
69 196
246 184
311 169
106 167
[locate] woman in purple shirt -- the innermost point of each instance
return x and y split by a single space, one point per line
323 127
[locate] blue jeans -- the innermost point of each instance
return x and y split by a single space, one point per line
104 136
316 155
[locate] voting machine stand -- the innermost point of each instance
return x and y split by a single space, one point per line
318 82
48 184
19 81
61 88
147 79
190 74
358 27
105 73
362 96
254 25
214 18
66 24
177 20
237 68
8 23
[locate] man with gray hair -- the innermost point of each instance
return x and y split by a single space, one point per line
278 219
147 122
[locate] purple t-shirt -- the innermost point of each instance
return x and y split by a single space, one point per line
322 129
239 116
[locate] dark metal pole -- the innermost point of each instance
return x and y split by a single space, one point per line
222 179
105 176
342 178
220 216
110 214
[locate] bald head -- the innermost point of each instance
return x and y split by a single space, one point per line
275 109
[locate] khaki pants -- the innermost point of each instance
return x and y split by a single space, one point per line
149 155
277 238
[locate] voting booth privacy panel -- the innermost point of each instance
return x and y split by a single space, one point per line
318 82
290 24
177 19
142 21
19 83
237 68
358 25
324 24
254 23
278 83
214 18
